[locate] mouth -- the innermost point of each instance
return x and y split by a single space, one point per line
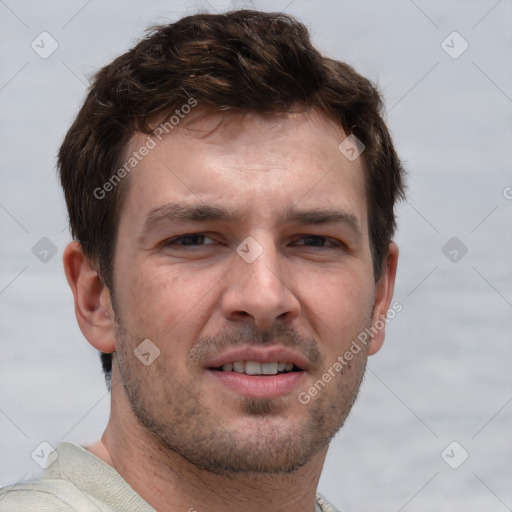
257 368
270 372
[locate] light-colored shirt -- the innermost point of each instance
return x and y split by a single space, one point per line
79 481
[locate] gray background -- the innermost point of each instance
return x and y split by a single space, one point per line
444 373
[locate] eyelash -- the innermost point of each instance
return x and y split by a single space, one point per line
173 241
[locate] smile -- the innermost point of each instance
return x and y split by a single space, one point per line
257 368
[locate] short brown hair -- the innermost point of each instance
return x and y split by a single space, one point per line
241 61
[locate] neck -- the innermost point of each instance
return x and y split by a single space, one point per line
169 483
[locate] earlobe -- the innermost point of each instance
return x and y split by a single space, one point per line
383 294
93 306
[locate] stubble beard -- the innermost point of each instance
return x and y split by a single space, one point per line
176 420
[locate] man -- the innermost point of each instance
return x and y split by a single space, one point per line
231 196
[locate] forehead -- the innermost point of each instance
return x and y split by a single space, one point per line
250 162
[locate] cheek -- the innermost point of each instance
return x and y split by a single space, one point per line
341 306
164 302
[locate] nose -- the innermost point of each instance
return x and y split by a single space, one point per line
260 292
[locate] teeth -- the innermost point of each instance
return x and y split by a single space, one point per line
268 368
252 368
239 367
255 368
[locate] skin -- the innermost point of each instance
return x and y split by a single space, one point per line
177 434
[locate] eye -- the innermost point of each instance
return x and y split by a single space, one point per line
189 240
318 241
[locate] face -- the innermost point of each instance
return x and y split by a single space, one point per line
243 255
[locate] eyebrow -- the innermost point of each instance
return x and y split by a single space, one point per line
324 216
186 212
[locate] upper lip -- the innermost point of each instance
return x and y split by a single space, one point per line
258 354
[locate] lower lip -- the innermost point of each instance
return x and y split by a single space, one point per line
259 386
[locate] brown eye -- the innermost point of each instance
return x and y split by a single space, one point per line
318 241
190 240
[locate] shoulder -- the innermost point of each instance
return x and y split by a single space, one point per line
36 496
75 481
51 491
325 506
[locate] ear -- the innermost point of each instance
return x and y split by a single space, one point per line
383 294
93 306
